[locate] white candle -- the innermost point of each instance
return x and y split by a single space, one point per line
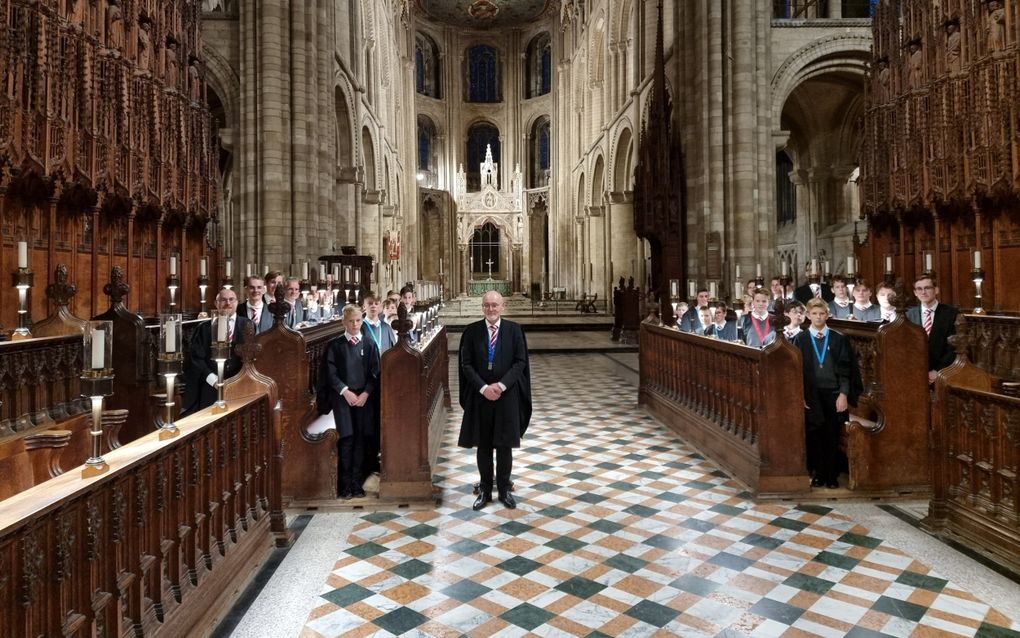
173 265
736 275
674 288
336 272
221 328
98 349
22 254
692 289
304 271
850 265
783 268
229 268
712 289
322 272
738 291
814 266
757 270
825 267
888 263
927 262
977 260
247 270
202 267
170 329
357 275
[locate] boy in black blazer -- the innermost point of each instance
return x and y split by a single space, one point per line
832 384
938 320
348 378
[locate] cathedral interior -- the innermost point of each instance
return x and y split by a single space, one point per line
598 163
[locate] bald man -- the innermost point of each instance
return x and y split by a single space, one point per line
495 392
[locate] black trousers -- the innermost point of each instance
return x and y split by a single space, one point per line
504 456
824 458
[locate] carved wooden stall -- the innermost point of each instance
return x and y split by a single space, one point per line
161 542
415 387
940 166
886 439
976 454
107 148
742 406
292 358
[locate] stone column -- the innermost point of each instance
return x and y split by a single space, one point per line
465 268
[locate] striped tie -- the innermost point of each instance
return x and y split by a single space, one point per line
928 312
492 337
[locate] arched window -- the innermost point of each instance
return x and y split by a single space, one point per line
538 69
426 66
427 164
480 136
786 191
540 153
483 74
485 250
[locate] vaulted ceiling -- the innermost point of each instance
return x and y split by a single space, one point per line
484 14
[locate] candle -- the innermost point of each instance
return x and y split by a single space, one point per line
977 260
247 270
692 289
783 268
170 339
927 262
221 328
712 289
674 288
888 263
347 274
440 265
22 254
336 272
850 265
229 267
322 272
98 349
738 291
825 267
304 271
202 267
757 270
814 265
173 265
736 275
357 275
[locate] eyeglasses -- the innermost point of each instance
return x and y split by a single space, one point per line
491 305
923 288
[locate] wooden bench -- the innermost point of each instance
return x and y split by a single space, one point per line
886 439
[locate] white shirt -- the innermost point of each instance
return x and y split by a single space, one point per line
488 335
211 378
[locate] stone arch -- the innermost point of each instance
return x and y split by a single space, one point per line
597 54
346 144
834 53
222 79
368 159
623 157
598 177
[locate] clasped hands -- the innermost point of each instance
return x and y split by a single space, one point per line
355 400
492 392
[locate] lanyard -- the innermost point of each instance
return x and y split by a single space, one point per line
375 338
825 348
761 335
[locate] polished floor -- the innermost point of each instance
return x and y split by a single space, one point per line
622 530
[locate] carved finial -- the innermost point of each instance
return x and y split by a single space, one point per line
117 289
402 325
630 283
899 299
963 339
621 283
280 306
249 348
61 291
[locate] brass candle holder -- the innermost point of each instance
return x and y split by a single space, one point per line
220 349
978 276
97 384
203 285
170 364
23 280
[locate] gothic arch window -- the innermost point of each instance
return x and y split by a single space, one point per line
786 191
426 66
485 250
538 66
427 152
480 135
483 74
540 153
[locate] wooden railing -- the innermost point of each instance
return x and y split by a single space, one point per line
976 459
415 387
742 406
160 543
887 436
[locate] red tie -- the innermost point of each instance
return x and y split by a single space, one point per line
255 314
230 330
928 312
354 341
492 337
818 294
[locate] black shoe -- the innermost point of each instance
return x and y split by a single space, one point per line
346 494
832 485
481 501
507 499
358 493
817 482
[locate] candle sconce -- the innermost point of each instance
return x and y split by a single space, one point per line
928 263
220 349
170 362
97 384
203 285
172 284
228 274
23 280
890 274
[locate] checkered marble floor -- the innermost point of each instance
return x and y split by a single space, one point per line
622 530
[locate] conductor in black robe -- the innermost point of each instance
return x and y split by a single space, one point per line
200 374
495 393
